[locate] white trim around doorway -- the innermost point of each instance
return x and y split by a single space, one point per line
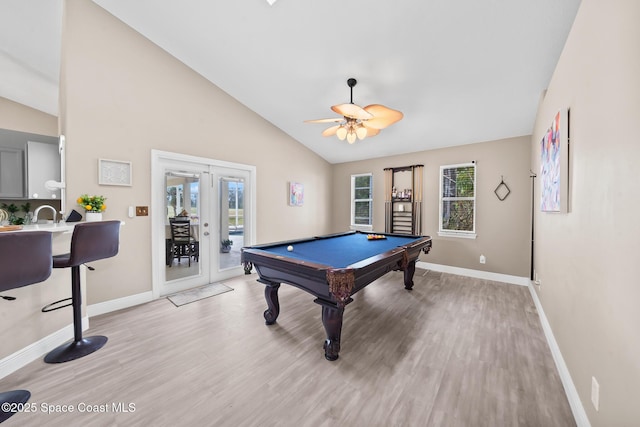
157 203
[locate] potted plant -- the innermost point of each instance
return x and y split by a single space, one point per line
226 245
13 219
93 206
26 208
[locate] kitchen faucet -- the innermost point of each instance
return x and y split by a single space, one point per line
39 208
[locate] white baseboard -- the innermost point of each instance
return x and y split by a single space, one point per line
118 304
478 274
570 390
34 351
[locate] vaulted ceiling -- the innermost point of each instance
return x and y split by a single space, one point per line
461 71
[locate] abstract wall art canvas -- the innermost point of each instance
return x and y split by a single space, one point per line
296 194
554 165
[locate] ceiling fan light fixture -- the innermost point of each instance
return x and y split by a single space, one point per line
341 133
357 122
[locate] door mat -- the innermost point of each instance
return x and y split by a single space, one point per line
196 294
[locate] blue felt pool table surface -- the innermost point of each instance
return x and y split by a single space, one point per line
340 251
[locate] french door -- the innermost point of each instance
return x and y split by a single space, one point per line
231 217
218 200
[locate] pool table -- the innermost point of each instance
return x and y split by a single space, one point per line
332 268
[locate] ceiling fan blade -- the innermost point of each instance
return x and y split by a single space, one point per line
370 131
382 116
330 131
352 111
335 120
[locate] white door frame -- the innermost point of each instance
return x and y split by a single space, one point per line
158 205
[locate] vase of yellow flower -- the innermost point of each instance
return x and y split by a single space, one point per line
93 207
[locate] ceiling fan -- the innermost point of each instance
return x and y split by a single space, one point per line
358 122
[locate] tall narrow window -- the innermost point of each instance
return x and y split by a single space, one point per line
175 199
458 200
362 202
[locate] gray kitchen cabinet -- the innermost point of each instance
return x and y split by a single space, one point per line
12 173
27 161
43 164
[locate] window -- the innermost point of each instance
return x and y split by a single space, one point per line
362 201
458 200
236 203
175 200
182 195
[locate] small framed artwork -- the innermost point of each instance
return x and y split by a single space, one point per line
114 172
554 165
296 194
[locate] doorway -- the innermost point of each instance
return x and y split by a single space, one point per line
215 201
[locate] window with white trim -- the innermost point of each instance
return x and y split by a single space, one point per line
458 200
362 201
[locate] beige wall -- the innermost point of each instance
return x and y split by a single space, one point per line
124 96
19 117
502 227
586 258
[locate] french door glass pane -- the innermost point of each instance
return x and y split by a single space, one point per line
231 222
182 192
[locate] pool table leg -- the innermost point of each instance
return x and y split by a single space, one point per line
271 295
332 322
409 270
247 267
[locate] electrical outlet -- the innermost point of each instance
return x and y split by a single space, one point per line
483 259
595 393
142 210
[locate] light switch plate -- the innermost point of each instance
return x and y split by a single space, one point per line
142 210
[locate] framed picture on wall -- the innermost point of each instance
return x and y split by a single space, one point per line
114 172
554 165
296 194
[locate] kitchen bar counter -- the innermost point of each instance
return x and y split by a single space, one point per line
25 331
59 227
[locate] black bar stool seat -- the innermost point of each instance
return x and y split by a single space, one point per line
25 260
90 241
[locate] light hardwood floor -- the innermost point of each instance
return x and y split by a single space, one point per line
454 351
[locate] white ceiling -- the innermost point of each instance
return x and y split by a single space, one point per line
461 71
30 52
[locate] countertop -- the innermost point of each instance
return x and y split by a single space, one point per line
60 227
50 227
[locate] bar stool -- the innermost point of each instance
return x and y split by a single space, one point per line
25 260
90 241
